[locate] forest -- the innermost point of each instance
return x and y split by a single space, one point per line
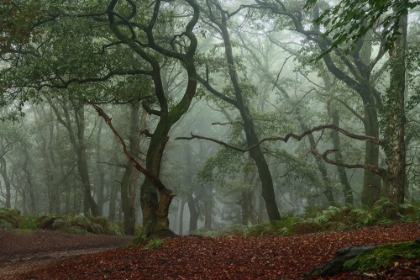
187 116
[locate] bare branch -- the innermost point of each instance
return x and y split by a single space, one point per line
228 123
286 138
281 70
373 168
152 177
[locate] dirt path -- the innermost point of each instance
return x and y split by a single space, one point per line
23 252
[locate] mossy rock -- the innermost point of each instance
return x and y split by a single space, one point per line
46 222
384 255
59 224
4 225
11 216
80 221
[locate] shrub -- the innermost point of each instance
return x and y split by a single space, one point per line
27 223
60 224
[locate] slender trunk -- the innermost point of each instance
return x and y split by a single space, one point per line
113 188
247 206
208 210
348 193
127 202
128 184
30 186
100 186
194 214
181 216
249 128
3 173
322 169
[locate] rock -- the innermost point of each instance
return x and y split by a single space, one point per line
335 265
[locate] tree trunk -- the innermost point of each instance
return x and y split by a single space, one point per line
249 128
371 182
3 172
194 213
322 168
128 184
100 185
30 186
208 210
78 144
347 191
395 118
128 198
113 189
181 216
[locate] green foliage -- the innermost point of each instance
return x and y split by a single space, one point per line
383 256
80 221
27 223
11 216
153 243
4 225
332 218
59 224
348 21
75 230
236 230
79 224
140 239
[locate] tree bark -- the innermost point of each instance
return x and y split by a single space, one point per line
181 216
248 123
194 213
395 118
3 172
342 174
100 185
128 184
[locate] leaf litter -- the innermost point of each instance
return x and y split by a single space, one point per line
197 257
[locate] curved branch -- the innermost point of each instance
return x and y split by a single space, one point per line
65 84
373 168
286 138
154 179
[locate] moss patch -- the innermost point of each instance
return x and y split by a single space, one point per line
384 255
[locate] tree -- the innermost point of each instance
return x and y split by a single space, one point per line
98 43
367 15
219 18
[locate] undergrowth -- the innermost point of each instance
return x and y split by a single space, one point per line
383 256
12 219
331 218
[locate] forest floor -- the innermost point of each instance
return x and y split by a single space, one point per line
53 255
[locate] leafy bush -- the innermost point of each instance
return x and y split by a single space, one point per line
114 229
96 228
74 229
27 223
